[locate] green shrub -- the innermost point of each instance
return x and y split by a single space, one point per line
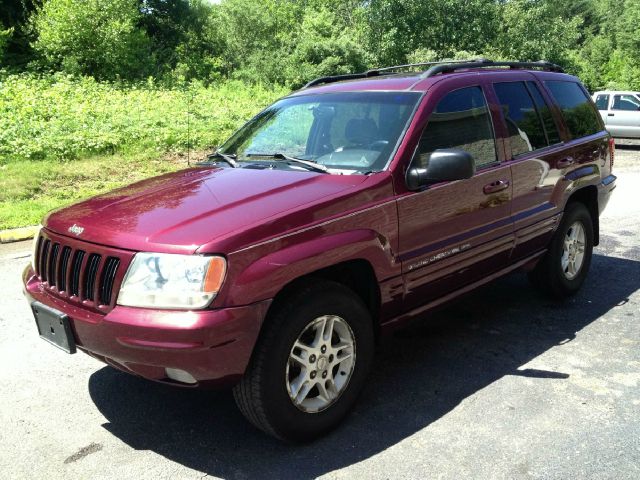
98 38
62 117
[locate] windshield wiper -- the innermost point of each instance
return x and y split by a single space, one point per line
229 158
309 164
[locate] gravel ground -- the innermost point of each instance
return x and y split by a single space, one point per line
505 384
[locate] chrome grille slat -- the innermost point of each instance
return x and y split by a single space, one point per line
52 267
91 271
63 270
76 267
38 255
43 260
108 277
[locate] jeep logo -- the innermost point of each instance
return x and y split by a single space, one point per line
75 229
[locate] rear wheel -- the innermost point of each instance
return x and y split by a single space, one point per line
566 264
310 363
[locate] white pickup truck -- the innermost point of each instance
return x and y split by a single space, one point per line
620 112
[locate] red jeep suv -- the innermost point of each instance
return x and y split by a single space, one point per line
336 214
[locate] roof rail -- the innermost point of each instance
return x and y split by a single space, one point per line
375 72
442 66
484 63
422 64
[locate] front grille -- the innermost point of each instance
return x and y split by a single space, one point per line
75 271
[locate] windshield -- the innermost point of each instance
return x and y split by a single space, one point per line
352 132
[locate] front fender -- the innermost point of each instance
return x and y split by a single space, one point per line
266 276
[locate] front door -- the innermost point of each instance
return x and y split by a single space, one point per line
623 116
454 233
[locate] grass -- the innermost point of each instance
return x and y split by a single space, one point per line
63 139
29 189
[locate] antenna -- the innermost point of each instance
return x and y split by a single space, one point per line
188 104
188 128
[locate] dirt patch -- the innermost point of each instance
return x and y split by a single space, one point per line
83 452
181 159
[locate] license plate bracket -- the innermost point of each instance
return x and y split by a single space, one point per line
54 327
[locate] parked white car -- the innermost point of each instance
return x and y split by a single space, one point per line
620 111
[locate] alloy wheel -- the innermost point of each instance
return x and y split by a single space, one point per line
320 363
573 250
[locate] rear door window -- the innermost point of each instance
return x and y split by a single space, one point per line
550 127
526 132
580 116
602 101
625 102
460 120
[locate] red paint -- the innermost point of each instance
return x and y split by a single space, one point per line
274 226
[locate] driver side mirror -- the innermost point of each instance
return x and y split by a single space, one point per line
445 165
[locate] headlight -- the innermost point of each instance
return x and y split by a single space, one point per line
36 235
165 280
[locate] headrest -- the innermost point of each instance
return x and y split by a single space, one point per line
361 131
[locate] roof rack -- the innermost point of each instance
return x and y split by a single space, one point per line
484 63
443 66
376 72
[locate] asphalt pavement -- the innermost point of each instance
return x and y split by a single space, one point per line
505 384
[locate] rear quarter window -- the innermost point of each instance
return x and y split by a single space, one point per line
581 117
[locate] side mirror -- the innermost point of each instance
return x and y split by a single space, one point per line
445 165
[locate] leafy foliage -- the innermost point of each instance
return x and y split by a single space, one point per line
126 79
61 117
288 42
98 38
5 36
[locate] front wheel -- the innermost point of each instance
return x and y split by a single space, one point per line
564 267
310 363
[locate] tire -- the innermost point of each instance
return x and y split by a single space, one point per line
555 274
265 394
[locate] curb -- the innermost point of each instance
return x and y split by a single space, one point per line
17 234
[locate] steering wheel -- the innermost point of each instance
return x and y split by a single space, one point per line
378 145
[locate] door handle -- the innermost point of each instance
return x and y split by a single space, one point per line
565 162
611 114
496 186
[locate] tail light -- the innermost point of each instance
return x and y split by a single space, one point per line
612 151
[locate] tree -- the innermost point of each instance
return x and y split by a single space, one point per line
97 37
15 36
200 54
322 47
533 30
5 35
400 27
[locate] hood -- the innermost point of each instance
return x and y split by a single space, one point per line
180 211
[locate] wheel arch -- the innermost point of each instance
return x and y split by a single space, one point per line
588 196
358 275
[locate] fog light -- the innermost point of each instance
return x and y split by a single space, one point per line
179 375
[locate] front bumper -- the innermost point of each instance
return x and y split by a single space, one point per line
212 346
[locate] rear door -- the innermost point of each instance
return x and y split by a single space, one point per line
623 116
537 155
454 233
